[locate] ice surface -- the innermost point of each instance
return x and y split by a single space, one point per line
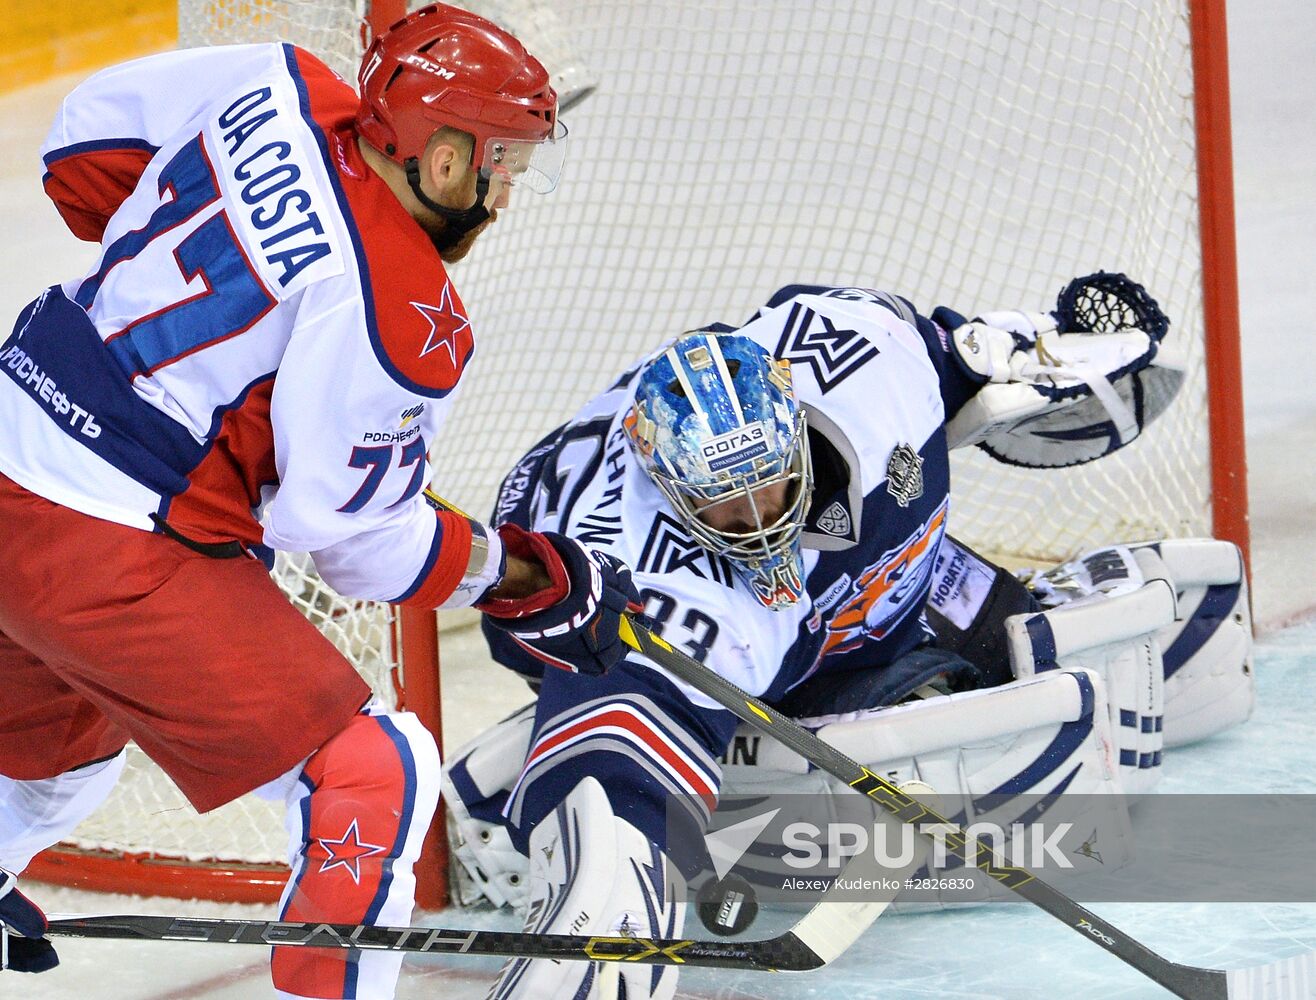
1006 953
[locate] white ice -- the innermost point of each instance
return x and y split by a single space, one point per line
1005 953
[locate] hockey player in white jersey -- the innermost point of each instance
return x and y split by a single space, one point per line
782 492
260 359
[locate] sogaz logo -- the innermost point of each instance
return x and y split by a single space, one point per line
734 447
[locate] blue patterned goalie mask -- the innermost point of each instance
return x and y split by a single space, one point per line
716 425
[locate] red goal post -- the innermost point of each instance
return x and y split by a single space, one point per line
1223 334
976 153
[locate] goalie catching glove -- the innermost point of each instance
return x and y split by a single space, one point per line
1069 386
571 624
31 952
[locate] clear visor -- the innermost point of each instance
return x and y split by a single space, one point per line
532 166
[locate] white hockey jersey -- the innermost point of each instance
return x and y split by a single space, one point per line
266 328
876 383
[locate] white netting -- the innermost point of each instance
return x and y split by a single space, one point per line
973 153
329 28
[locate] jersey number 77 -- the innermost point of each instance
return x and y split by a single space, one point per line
231 297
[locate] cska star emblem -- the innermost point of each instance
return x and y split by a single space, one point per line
425 345
347 852
445 321
904 475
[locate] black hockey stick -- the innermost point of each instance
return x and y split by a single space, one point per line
1288 979
819 937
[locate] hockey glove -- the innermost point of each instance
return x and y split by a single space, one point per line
31 952
573 623
997 346
1069 386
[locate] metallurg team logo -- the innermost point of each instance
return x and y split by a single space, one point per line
904 475
879 598
834 355
669 547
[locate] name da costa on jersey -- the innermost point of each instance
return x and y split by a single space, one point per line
268 176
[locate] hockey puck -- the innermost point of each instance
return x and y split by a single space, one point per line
727 906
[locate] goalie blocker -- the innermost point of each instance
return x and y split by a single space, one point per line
1114 655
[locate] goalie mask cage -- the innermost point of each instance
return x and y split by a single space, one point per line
972 153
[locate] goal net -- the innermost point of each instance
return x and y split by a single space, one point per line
971 153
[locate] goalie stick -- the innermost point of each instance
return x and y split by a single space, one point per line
1287 979
819 937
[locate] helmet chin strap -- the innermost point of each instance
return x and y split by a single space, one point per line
460 220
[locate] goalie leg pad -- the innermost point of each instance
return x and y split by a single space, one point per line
36 814
1034 737
1114 633
981 750
1207 651
476 783
594 873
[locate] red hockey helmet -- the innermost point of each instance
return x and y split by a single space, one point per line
441 65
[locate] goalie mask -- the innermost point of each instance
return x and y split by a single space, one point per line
716 425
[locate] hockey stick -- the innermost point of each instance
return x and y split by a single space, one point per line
819 937
1288 979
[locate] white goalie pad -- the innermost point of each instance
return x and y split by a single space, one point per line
1209 683
1037 737
593 873
1113 630
1206 651
486 865
1088 395
1033 737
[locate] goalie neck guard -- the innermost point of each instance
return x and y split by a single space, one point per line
716 426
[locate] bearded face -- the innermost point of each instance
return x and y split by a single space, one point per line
452 246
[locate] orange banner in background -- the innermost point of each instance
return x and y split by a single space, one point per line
41 40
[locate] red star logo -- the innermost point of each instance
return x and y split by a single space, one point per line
445 323
347 852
